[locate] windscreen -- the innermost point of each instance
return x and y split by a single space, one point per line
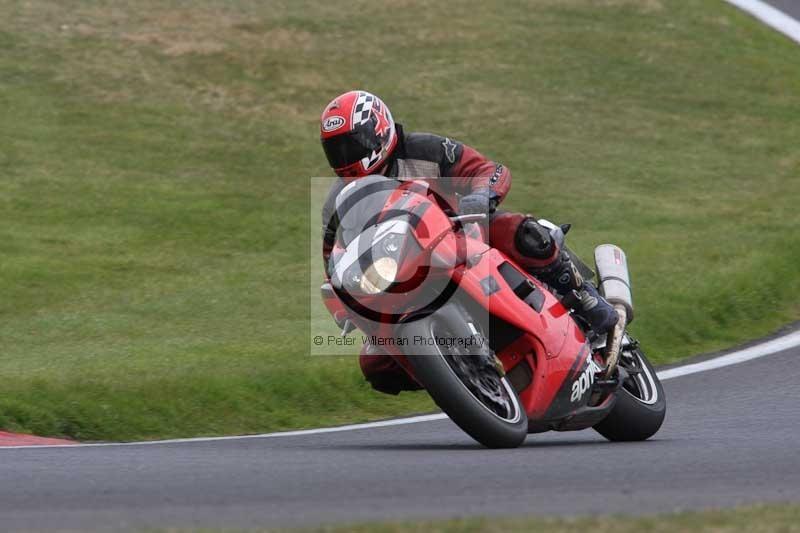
358 205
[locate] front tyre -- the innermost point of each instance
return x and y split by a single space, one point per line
464 381
641 403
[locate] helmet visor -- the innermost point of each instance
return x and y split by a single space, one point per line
344 150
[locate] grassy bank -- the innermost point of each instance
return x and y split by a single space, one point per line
154 164
753 519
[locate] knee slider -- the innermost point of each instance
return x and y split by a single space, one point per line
534 240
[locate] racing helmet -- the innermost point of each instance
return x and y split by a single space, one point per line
358 134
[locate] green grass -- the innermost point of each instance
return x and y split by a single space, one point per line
154 165
750 519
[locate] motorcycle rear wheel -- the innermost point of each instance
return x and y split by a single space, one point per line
641 404
464 383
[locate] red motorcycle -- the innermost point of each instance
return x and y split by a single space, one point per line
499 353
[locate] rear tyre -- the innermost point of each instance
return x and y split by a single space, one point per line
464 381
641 404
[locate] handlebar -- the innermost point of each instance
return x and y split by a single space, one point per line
474 217
470 226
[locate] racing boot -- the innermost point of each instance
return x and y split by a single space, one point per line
383 373
580 295
601 315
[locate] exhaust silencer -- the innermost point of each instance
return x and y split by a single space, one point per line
612 272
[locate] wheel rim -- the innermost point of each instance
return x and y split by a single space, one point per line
479 377
641 382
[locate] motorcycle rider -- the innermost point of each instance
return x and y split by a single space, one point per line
360 138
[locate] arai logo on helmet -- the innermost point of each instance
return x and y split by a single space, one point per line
332 123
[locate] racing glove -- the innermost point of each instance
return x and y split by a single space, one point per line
477 202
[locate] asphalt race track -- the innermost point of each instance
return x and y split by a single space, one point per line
790 7
731 437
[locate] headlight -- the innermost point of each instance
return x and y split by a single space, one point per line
379 275
388 241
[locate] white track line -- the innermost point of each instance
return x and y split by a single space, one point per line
772 17
764 12
780 344
298 433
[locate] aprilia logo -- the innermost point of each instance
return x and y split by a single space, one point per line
584 383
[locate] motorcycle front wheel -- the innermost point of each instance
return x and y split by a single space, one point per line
464 380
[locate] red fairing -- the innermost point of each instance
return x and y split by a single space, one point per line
474 172
539 333
551 340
